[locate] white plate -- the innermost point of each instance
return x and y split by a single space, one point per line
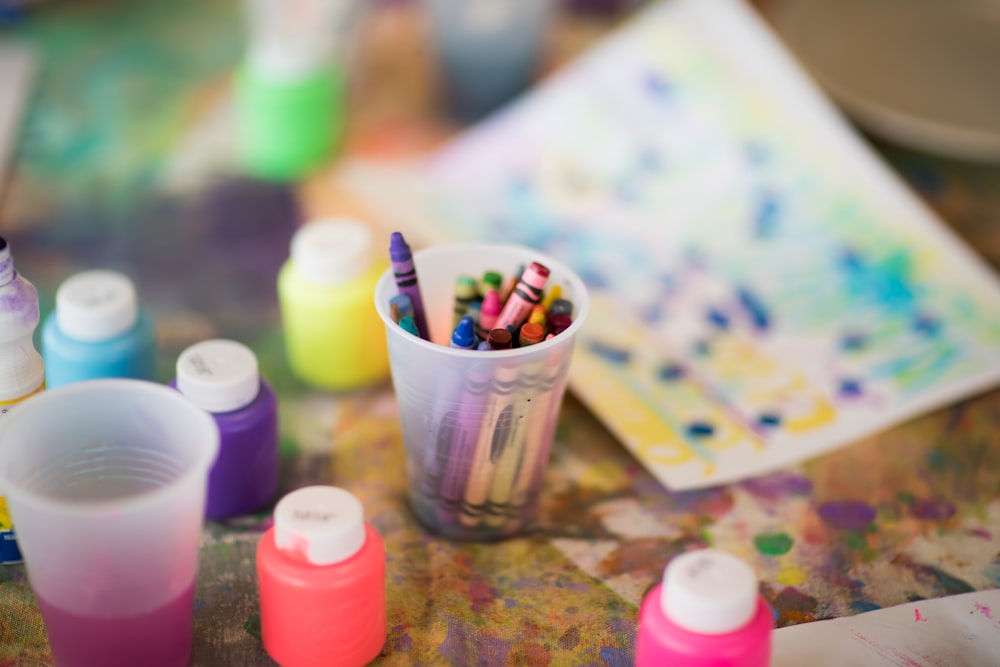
921 73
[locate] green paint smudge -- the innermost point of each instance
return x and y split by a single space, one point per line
252 626
773 544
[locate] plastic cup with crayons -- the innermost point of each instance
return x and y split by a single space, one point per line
478 423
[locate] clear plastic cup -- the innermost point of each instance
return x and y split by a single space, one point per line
478 425
106 482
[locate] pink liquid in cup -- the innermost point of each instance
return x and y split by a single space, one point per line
159 638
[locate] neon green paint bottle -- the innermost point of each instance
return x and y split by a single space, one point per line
334 338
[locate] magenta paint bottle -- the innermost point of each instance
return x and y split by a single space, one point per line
707 612
221 376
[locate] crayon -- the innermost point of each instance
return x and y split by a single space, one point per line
527 293
492 280
490 310
539 432
499 339
539 315
407 323
465 292
561 307
457 437
531 333
510 455
508 287
406 280
464 335
554 292
402 305
495 434
559 322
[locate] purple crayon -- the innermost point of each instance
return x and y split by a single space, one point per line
406 280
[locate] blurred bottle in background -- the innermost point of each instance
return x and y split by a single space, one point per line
291 90
488 51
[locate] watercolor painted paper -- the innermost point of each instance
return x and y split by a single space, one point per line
955 631
764 289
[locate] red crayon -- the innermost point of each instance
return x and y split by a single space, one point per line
559 322
527 293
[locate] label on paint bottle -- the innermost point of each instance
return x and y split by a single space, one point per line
9 553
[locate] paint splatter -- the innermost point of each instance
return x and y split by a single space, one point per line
252 626
932 509
791 576
917 617
754 308
769 419
850 388
779 485
616 355
615 657
670 372
984 610
773 544
717 318
700 429
853 341
847 514
794 606
927 325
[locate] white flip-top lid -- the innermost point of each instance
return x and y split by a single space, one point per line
323 524
709 591
332 250
96 305
218 375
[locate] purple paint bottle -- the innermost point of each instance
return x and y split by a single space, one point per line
221 377
707 612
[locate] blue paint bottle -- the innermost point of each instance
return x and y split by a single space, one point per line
97 330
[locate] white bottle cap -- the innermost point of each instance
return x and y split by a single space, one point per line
709 591
218 375
324 524
332 250
96 305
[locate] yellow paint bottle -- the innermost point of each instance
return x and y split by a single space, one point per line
334 338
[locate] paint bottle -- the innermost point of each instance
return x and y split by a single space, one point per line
334 338
707 612
97 330
291 89
221 377
321 572
22 371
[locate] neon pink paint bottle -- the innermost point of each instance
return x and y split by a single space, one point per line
707 612
321 573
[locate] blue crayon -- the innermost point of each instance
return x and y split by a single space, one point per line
464 335
406 280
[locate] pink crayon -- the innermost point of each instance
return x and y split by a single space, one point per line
490 310
526 294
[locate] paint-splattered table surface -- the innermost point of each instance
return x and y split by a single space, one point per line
118 166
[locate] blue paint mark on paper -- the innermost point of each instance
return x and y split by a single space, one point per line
616 355
754 309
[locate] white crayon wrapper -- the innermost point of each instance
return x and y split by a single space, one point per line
477 425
